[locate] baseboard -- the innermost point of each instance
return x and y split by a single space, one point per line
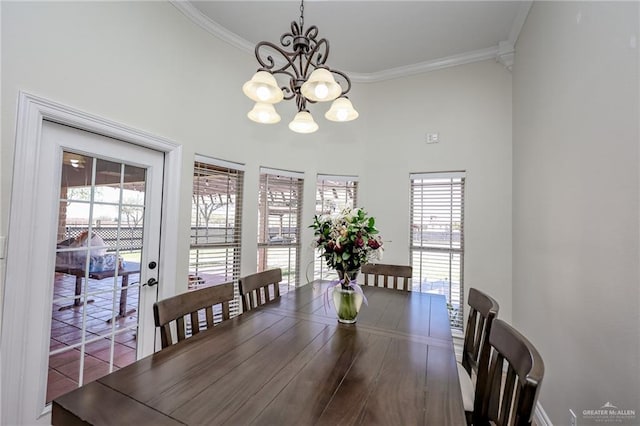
540 416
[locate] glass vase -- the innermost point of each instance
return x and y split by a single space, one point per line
347 303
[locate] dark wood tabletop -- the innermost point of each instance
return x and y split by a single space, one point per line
291 363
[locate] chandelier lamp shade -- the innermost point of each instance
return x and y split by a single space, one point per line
263 112
303 123
301 63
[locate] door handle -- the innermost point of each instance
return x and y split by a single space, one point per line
151 282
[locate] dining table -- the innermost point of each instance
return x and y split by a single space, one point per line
290 362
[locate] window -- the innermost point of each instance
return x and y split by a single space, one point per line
279 216
333 194
216 212
437 237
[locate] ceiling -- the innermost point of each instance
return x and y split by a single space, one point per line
375 40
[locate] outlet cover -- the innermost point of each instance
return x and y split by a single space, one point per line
433 137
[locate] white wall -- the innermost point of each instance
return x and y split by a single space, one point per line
575 207
145 65
470 107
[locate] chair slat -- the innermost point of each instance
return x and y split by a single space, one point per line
495 382
165 336
181 328
507 395
195 323
225 311
208 313
513 419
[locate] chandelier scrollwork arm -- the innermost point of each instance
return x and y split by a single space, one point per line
269 64
319 50
311 33
346 79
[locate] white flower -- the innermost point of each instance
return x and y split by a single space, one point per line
345 240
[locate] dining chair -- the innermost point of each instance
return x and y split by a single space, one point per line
475 350
191 303
511 397
254 288
397 277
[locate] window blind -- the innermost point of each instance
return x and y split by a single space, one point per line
333 194
437 237
279 218
216 227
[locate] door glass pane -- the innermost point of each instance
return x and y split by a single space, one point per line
94 320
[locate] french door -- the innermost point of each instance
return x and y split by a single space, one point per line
107 248
139 167
93 315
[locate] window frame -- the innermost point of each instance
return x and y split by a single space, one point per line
429 184
266 246
212 169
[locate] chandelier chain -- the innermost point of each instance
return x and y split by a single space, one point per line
301 15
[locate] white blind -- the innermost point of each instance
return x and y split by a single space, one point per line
337 178
279 218
437 237
216 227
333 194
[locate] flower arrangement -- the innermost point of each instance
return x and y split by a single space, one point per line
347 240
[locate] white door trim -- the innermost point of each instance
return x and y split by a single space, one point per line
19 405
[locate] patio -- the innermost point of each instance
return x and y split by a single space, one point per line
66 334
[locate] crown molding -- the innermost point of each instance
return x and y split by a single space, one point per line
502 53
506 54
507 48
518 22
211 26
422 67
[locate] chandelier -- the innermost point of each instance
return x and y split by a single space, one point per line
309 79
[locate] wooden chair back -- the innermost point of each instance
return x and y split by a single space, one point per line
191 303
397 277
483 310
511 398
255 288
475 351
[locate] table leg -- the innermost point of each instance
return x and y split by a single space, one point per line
123 296
78 292
122 307
77 302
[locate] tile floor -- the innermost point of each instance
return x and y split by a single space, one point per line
103 336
